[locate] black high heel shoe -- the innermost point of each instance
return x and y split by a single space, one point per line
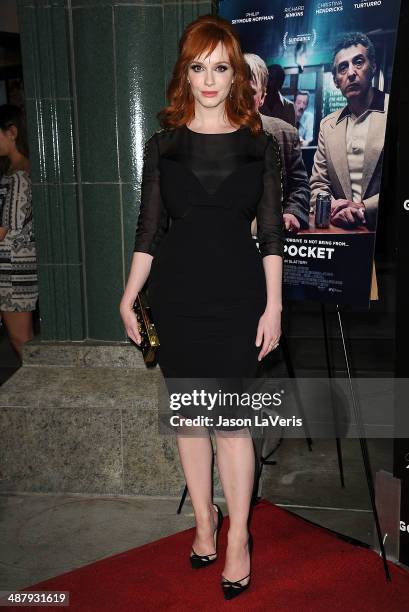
198 561
231 588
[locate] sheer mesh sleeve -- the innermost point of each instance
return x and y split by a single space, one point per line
153 217
269 209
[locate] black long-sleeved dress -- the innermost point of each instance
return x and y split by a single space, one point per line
207 286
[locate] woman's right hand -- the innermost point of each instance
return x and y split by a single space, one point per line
130 323
140 268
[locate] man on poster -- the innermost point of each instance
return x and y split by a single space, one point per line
296 190
274 104
348 160
304 120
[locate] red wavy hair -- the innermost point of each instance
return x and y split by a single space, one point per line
202 36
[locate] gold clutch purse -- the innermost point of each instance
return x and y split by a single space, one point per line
146 326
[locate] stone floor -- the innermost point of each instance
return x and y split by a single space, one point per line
46 535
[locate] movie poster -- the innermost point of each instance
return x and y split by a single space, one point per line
335 59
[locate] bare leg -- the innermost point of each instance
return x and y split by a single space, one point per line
236 462
196 457
19 326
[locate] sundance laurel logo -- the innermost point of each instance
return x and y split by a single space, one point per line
299 39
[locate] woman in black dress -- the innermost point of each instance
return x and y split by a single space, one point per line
215 298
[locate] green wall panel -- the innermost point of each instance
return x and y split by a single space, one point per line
103 260
52 144
61 308
140 83
95 83
130 203
58 235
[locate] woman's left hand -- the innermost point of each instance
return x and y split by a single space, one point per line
268 331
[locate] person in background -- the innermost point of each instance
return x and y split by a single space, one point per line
348 160
295 184
18 270
304 120
275 105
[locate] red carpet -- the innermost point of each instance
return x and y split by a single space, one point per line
297 567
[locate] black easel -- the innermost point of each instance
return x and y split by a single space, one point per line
364 446
266 460
291 374
334 412
358 419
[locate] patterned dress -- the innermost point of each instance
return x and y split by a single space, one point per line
18 269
